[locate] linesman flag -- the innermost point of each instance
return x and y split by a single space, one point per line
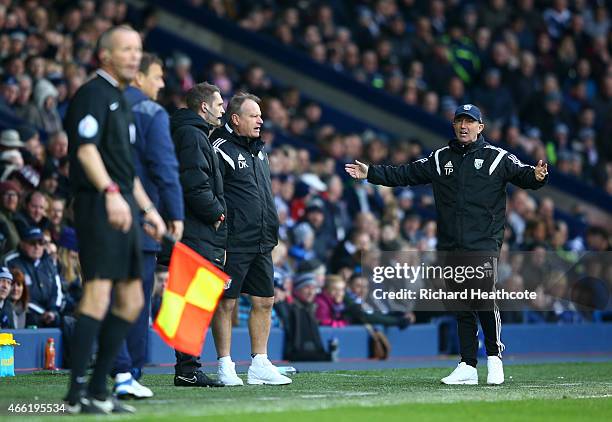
189 301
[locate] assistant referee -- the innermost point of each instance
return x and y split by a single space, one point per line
108 199
469 178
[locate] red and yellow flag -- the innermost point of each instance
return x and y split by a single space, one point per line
189 301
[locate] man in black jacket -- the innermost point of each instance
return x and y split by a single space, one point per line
469 178
252 234
200 177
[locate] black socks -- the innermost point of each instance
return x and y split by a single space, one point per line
85 333
112 333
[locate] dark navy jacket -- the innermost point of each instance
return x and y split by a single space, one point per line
155 160
43 281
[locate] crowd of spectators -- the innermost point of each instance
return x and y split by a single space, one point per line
332 228
540 71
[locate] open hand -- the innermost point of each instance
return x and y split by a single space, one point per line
357 171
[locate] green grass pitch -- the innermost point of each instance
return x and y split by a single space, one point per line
546 392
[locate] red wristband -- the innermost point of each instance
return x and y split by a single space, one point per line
112 188
222 218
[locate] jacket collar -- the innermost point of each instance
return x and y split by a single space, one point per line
253 145
459 148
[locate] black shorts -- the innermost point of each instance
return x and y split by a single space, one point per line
251 273
104 252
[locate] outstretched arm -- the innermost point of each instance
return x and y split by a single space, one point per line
418 172
523 175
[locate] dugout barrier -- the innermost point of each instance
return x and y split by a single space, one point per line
418 340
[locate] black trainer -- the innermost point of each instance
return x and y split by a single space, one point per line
195 379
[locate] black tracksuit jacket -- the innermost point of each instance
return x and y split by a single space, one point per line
252 220
469 185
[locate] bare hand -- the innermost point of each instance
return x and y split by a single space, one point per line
48 317
217 224
357 171
541 170
155 226
175 227
118 211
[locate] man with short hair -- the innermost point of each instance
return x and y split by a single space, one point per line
157 169
200 176
252 234
469 178
33 213
108 200
57 149
41 277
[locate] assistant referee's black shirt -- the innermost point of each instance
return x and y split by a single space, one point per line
99 114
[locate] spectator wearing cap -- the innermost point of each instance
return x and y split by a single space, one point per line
11 161
330 309
33 213
302 337
6 305
44 114
41 277
10 140
9 201
20 296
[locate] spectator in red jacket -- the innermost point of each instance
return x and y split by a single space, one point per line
330 303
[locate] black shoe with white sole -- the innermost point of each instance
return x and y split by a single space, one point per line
195 379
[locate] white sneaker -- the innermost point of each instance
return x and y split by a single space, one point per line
462 375
262 372
126 387
495 370
226 374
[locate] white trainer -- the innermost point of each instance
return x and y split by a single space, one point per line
226 374
462 375
263 372
495 370
126 387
